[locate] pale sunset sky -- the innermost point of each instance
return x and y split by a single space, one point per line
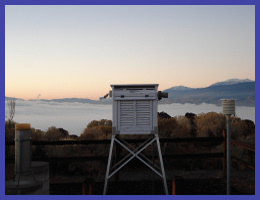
79 51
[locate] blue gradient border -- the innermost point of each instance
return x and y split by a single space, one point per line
117 2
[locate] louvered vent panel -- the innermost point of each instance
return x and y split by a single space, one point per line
143 113
127 114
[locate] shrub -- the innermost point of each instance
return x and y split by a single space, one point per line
238 128
210 124
178 126
92 133
166 126
54 134
183 127
9 130
37 134
97 130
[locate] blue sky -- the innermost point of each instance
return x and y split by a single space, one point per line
78 51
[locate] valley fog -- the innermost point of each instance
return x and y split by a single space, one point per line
74 117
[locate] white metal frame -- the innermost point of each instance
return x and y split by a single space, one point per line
134 152
152 133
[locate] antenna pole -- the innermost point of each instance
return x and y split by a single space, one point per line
228 106
228 154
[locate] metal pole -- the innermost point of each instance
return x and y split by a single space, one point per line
228 154
162 166
153 167
225 154
109 163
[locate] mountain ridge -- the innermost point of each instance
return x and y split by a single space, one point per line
242 90
232 82
227 82
243 93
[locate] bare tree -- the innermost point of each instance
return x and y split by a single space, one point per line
11 106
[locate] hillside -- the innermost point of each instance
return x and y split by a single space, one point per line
243 93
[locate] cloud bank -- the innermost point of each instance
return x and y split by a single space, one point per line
74 117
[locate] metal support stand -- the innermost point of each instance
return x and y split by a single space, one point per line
135 152
228 154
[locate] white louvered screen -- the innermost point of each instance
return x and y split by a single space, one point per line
135 109
135 113
143 113
127 113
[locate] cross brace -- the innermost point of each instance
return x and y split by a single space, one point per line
134 152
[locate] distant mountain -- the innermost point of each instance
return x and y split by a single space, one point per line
232 82
243 92
12 98
66 100
179 88
71 100
78 100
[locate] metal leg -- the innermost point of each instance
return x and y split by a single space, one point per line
142 155
162 166
135 152
153 164
228 154
133 156
109 163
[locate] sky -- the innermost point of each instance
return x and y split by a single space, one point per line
79 51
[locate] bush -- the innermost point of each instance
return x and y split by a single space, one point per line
92 133
37 134
210 124
238 128
178 126
166 126
54 134
9 130
183 128
97 130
